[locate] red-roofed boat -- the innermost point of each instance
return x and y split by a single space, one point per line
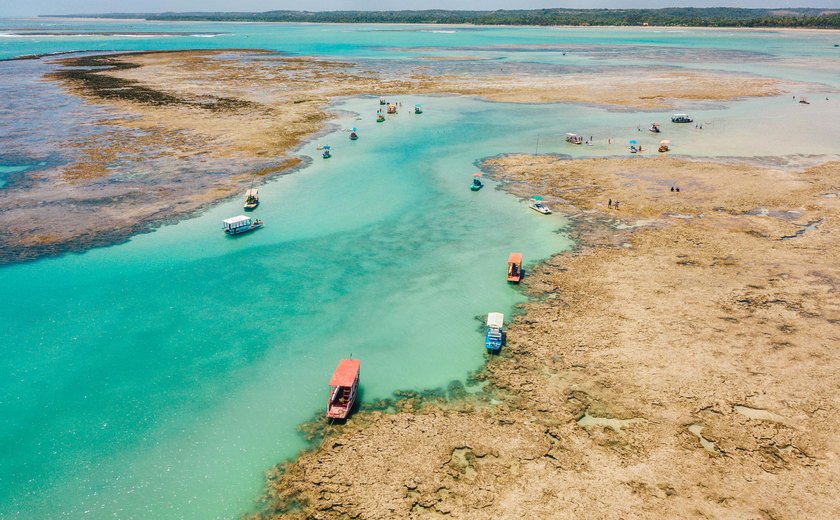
515 267
344 385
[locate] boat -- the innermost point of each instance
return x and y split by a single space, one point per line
326 153
664 146
681 118
633 148
353 134
574 138
495 332
418 109
654 127
536 204
344 385
476 182
382 100
380 118
804 101
252 199
240 224
514 272
392 108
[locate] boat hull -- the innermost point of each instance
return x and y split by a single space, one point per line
242 230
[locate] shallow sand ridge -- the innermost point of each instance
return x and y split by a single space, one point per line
187 128
685 314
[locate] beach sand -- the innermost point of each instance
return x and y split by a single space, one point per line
697 348
185 129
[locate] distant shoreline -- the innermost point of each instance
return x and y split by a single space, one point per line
714 17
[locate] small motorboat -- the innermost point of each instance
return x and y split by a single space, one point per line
654 127
476 182
574 139
252 199
392 108
664 146
326 154
344 385
536 203
418 109
382 100
353 134
495 332
514 272
380 118
241 224
804 101
633 147
681 118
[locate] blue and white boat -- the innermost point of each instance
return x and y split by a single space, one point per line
326 153
495 332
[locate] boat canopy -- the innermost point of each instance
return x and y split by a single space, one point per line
571 135
345 373
633 141
676 116
477 174
496 319
515 258
417 106
326 147
353 129
537 198
665 142
253 192
241 220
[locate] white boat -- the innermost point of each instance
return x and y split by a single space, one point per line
574 138
495 332
536 204
240 224
252 199
681 118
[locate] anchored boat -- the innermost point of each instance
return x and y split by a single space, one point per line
252 199
380 118
495 332
382 100
633 148
476 182
664 146
344 385
536 203
654 127
681 118
514 273
326 153
418 109
392 108
353 134
240 224
574 138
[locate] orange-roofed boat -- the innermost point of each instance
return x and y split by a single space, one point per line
515 267
344 386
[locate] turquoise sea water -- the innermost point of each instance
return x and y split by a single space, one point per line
159 378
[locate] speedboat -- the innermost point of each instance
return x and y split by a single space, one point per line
326 154
654 127
353 134
536 204
476 182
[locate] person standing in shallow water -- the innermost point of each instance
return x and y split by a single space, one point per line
609 204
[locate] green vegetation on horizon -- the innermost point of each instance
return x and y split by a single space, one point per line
674 16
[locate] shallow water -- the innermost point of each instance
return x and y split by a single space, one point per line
159 378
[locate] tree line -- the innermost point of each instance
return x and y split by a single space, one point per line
682 16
